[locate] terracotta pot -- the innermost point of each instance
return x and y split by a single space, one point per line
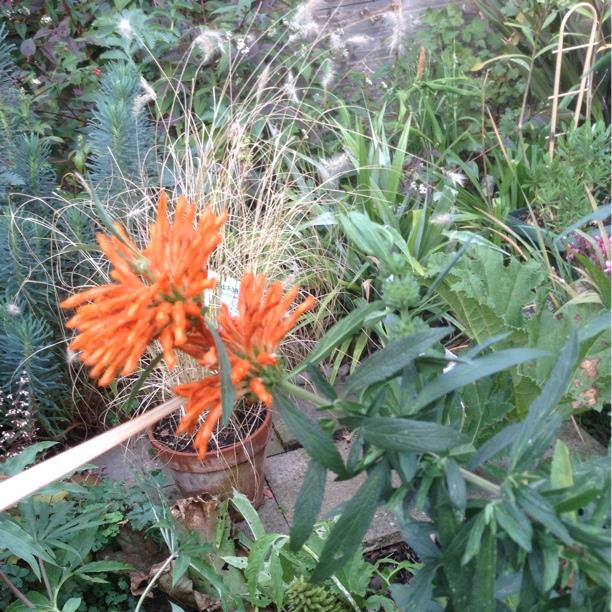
238 466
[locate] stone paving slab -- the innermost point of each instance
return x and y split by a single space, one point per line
285 473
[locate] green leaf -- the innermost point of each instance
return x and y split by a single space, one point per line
179 567
514 522
472 546
465 373
309 434
543 512
397 434
321 383
394 357
228 396
343 329
21 544
483 591
543 563
536 430
258 554
415 596
594 327
495 445
276 576
72 605
561 474
308 503
456 484
248 513
346 535
18 463
103 566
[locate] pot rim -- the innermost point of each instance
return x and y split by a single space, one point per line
220 452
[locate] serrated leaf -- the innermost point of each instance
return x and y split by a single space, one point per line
309 434
398 434
18 463
346 535
308 503
248 513
537 429
463 374
394 357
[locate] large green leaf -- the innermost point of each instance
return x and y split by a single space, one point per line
394 357
465 373
537 429
308 503
309 434
346 535
397 434
346 327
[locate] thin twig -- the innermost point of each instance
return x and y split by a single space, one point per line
15 591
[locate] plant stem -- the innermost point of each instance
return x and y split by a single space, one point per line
15 591
45 578
483 483
138 384
301 393
149 586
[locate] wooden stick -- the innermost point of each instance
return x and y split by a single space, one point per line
29 481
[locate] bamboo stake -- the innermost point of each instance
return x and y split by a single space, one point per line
29 481
586 78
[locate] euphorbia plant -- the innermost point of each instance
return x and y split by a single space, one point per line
157 294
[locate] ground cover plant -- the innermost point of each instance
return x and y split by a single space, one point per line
454 278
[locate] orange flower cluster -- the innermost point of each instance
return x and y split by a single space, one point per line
157 294
250 338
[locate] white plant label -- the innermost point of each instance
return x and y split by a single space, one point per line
227 289
230 287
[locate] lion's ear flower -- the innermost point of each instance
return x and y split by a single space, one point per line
251 339
156 294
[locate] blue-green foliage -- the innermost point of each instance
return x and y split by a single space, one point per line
29 328
26 343
24 157
119 134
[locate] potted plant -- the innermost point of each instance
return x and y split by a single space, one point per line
233 462
156 298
